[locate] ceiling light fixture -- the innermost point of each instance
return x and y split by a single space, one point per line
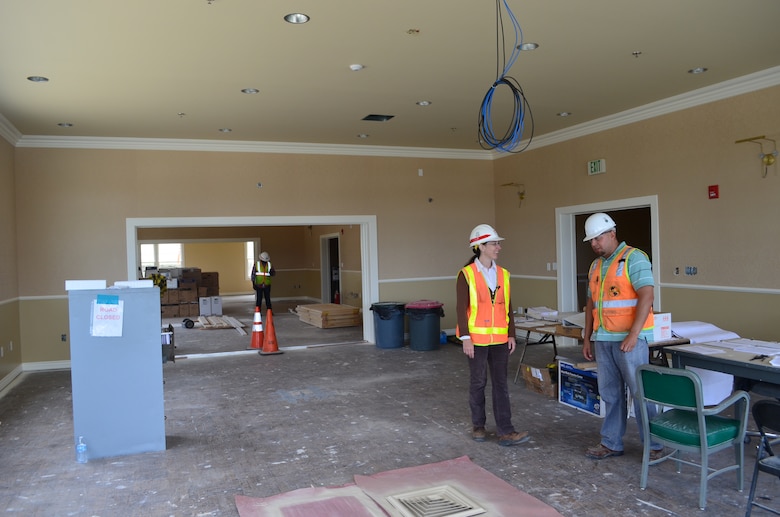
636 53
296 18
356 67
38 79
528 46
65 124
564 113
362 135
225 130
424 103
250 91
697 70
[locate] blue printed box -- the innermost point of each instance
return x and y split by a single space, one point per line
579 389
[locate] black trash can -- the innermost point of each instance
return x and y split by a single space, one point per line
424 324
388 324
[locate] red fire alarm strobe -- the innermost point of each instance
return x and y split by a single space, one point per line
713 192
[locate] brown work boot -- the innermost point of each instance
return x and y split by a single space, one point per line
478 434
507 440
599 452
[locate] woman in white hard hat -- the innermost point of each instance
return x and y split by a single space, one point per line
486 328
262 272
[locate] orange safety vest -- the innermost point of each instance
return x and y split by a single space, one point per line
615 309
488 314
262 275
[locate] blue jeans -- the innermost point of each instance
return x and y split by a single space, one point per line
616 372
496 359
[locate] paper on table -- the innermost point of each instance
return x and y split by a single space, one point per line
704 350
699 331
577 320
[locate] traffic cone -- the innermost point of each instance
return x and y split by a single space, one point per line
257 331
269 342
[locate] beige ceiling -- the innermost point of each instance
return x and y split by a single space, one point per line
128 69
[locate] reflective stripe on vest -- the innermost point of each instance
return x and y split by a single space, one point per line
488 319
615 309
262 276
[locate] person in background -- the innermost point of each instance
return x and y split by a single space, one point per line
618 326
262 272
486 328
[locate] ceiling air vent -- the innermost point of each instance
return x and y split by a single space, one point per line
378 118
442 501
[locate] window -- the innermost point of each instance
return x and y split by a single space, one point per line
250 257
164 255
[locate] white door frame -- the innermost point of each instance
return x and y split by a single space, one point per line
368 245
566 233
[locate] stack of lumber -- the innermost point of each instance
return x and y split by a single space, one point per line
221 322
329 315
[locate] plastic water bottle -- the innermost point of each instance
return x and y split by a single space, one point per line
81 451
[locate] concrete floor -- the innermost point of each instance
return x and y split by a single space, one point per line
241 423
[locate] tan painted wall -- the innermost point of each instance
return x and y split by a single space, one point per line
10 334
734 241
71 207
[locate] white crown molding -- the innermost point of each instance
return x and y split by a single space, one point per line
731 88
741 85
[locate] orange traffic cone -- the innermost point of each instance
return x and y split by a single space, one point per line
257 331
269 342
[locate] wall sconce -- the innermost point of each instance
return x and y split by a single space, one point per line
520 192
767 159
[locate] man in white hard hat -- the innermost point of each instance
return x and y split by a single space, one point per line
618 326
486 328
262 271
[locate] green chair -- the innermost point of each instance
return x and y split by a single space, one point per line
766 413
688 425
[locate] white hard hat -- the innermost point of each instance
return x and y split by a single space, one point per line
265 257
597 224
483 233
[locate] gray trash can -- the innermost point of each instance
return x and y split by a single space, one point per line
424 324
388 324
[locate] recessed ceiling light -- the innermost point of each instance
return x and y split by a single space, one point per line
225 130
528 46
65 124
250 91
423 103
296 18
38 79
362 135
697 70
564 113
356 67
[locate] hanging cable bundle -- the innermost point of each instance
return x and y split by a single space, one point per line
511 138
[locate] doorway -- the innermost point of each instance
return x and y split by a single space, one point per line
330 260
368 245
637 219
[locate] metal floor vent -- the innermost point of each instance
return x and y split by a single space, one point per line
441 501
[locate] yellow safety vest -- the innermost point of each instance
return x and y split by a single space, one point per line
488 313
262 275
614 309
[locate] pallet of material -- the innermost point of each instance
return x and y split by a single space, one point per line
221 322
329 315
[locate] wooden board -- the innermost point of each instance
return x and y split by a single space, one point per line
329 315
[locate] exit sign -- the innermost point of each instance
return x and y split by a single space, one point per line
597 167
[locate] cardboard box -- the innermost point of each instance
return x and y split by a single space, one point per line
579 389
662 326
568 331
173 296
205 306
187 295
169 311
216 305
539 380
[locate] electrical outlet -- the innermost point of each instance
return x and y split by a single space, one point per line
64 337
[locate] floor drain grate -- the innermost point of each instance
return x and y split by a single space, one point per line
442 501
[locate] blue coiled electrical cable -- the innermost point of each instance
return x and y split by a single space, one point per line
511 138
